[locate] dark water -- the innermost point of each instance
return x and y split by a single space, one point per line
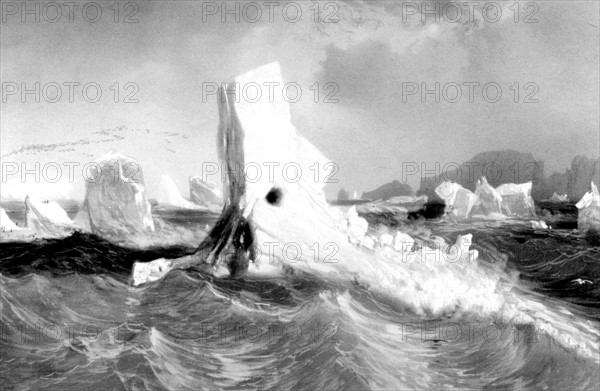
70 320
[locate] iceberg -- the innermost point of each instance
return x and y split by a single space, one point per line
516 199
47 218
115 203
295 216
583 171
204 193
6 224
429 282
588 217
459 201
507 200
559 198
168 194
488 199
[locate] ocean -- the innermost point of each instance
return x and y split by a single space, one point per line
71 321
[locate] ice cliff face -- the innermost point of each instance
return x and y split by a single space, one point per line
559 198
168 194
589 211
204 193
115 202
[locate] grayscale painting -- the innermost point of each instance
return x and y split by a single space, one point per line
300 195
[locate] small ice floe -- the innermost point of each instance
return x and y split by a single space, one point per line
582 282
150 271
168 195
539 224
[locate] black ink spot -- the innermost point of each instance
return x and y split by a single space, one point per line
274 196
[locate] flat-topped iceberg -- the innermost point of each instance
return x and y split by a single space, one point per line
588 218
115 202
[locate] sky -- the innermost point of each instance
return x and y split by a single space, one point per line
368 60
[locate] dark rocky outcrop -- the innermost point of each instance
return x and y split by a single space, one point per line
387 191
574 182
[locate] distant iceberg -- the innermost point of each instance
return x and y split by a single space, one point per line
343 195
559 198
588 218
47 218
408 200
168 195
516 199
6 224
115 201
507 200
204 193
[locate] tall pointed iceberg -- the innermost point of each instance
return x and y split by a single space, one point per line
47 219
168 194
